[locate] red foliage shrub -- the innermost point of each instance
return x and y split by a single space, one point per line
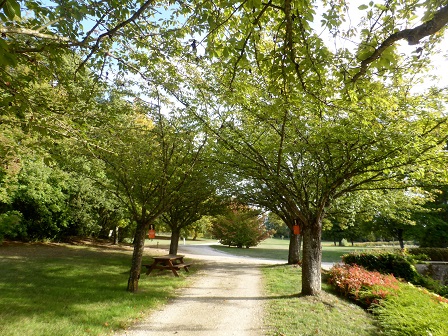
365 287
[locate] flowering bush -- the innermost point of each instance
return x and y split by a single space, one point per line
396 263
363 286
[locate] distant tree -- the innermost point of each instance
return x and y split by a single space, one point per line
241 226
194 200
277 225
395 219
431 229
201 227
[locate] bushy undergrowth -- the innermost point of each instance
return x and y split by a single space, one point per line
434 254
413 312
401 308
398 263
363 286
385 262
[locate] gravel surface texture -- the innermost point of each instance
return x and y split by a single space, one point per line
224 299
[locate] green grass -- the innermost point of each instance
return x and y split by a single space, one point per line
412 312
289 314
277 249
74 290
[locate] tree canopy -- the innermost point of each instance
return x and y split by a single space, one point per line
305 101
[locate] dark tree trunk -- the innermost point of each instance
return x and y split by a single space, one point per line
312 257
400 238
139 245
174 245
294 248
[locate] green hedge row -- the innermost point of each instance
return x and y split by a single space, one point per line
384 262
434 254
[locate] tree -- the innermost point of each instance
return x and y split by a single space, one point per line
295 116
316 119
241 226
312 154
276 224
201 227
196 198
394 216
147 161
431 229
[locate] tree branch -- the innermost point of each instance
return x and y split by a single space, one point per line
413 36
112 31
34 33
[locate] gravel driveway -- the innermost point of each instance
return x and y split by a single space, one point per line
224 300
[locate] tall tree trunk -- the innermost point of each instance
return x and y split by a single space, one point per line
312 257
174 245
139 245
294 248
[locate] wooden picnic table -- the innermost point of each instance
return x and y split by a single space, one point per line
167 262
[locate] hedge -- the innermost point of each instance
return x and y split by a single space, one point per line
434 254
384 262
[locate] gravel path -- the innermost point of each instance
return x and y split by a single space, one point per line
225 299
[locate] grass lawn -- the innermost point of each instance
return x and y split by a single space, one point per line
74 290
275 248
289 314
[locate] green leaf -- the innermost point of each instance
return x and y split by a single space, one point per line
381 7
6 58
9 11
16 7
363 7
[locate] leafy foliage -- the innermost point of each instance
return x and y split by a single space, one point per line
400 308
365 287
52 204
240 227
384 262
434 254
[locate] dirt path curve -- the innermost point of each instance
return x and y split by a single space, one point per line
225 299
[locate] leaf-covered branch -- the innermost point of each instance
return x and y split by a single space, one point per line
413 36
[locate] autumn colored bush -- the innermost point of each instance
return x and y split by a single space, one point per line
365 287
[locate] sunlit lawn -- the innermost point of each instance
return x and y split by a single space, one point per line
275 248
74 290
289 314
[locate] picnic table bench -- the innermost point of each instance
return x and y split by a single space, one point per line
167 262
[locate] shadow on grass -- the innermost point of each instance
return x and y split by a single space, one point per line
72 289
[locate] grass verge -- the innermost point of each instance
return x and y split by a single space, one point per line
413 311
287 313
74 290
